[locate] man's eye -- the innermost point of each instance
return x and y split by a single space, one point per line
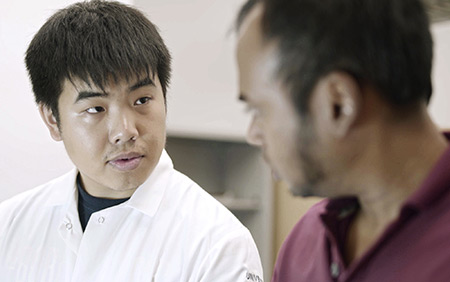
95 110
142 100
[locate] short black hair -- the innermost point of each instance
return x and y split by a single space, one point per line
383 43
94 41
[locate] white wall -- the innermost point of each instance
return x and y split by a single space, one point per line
29 156
440 103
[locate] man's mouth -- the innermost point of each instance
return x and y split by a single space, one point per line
126 162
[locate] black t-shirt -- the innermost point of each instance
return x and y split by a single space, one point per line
88 204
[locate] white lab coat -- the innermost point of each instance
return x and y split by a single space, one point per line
170 230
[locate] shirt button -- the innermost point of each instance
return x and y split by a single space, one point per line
101 219
68 226
334 269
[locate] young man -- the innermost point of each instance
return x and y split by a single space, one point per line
339 92
100 72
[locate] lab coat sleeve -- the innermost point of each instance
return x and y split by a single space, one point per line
235 258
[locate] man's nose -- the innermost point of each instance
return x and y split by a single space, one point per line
122 127
254 133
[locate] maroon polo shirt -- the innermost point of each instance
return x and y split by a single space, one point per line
415 247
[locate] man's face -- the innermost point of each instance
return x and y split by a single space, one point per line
283 136
114 137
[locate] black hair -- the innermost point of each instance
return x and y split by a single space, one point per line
383 43
94 41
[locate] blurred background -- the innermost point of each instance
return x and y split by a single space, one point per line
206 124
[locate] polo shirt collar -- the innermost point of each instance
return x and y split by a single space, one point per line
435 185
431 190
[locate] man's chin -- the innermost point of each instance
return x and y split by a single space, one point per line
297 190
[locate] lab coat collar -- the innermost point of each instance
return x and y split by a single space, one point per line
63 189
149 195
146 198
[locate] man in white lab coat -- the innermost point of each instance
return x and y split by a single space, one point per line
99 72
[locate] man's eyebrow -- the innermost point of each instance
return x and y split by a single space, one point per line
82 95
144 82
91 94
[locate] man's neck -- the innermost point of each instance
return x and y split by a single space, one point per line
399 164
100 191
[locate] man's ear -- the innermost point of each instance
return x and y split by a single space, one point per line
50 121
338 103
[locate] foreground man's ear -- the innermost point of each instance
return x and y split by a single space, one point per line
337 102
50 121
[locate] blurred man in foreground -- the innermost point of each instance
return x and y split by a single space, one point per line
338 91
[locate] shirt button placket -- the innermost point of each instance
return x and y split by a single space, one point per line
101 220
335 270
